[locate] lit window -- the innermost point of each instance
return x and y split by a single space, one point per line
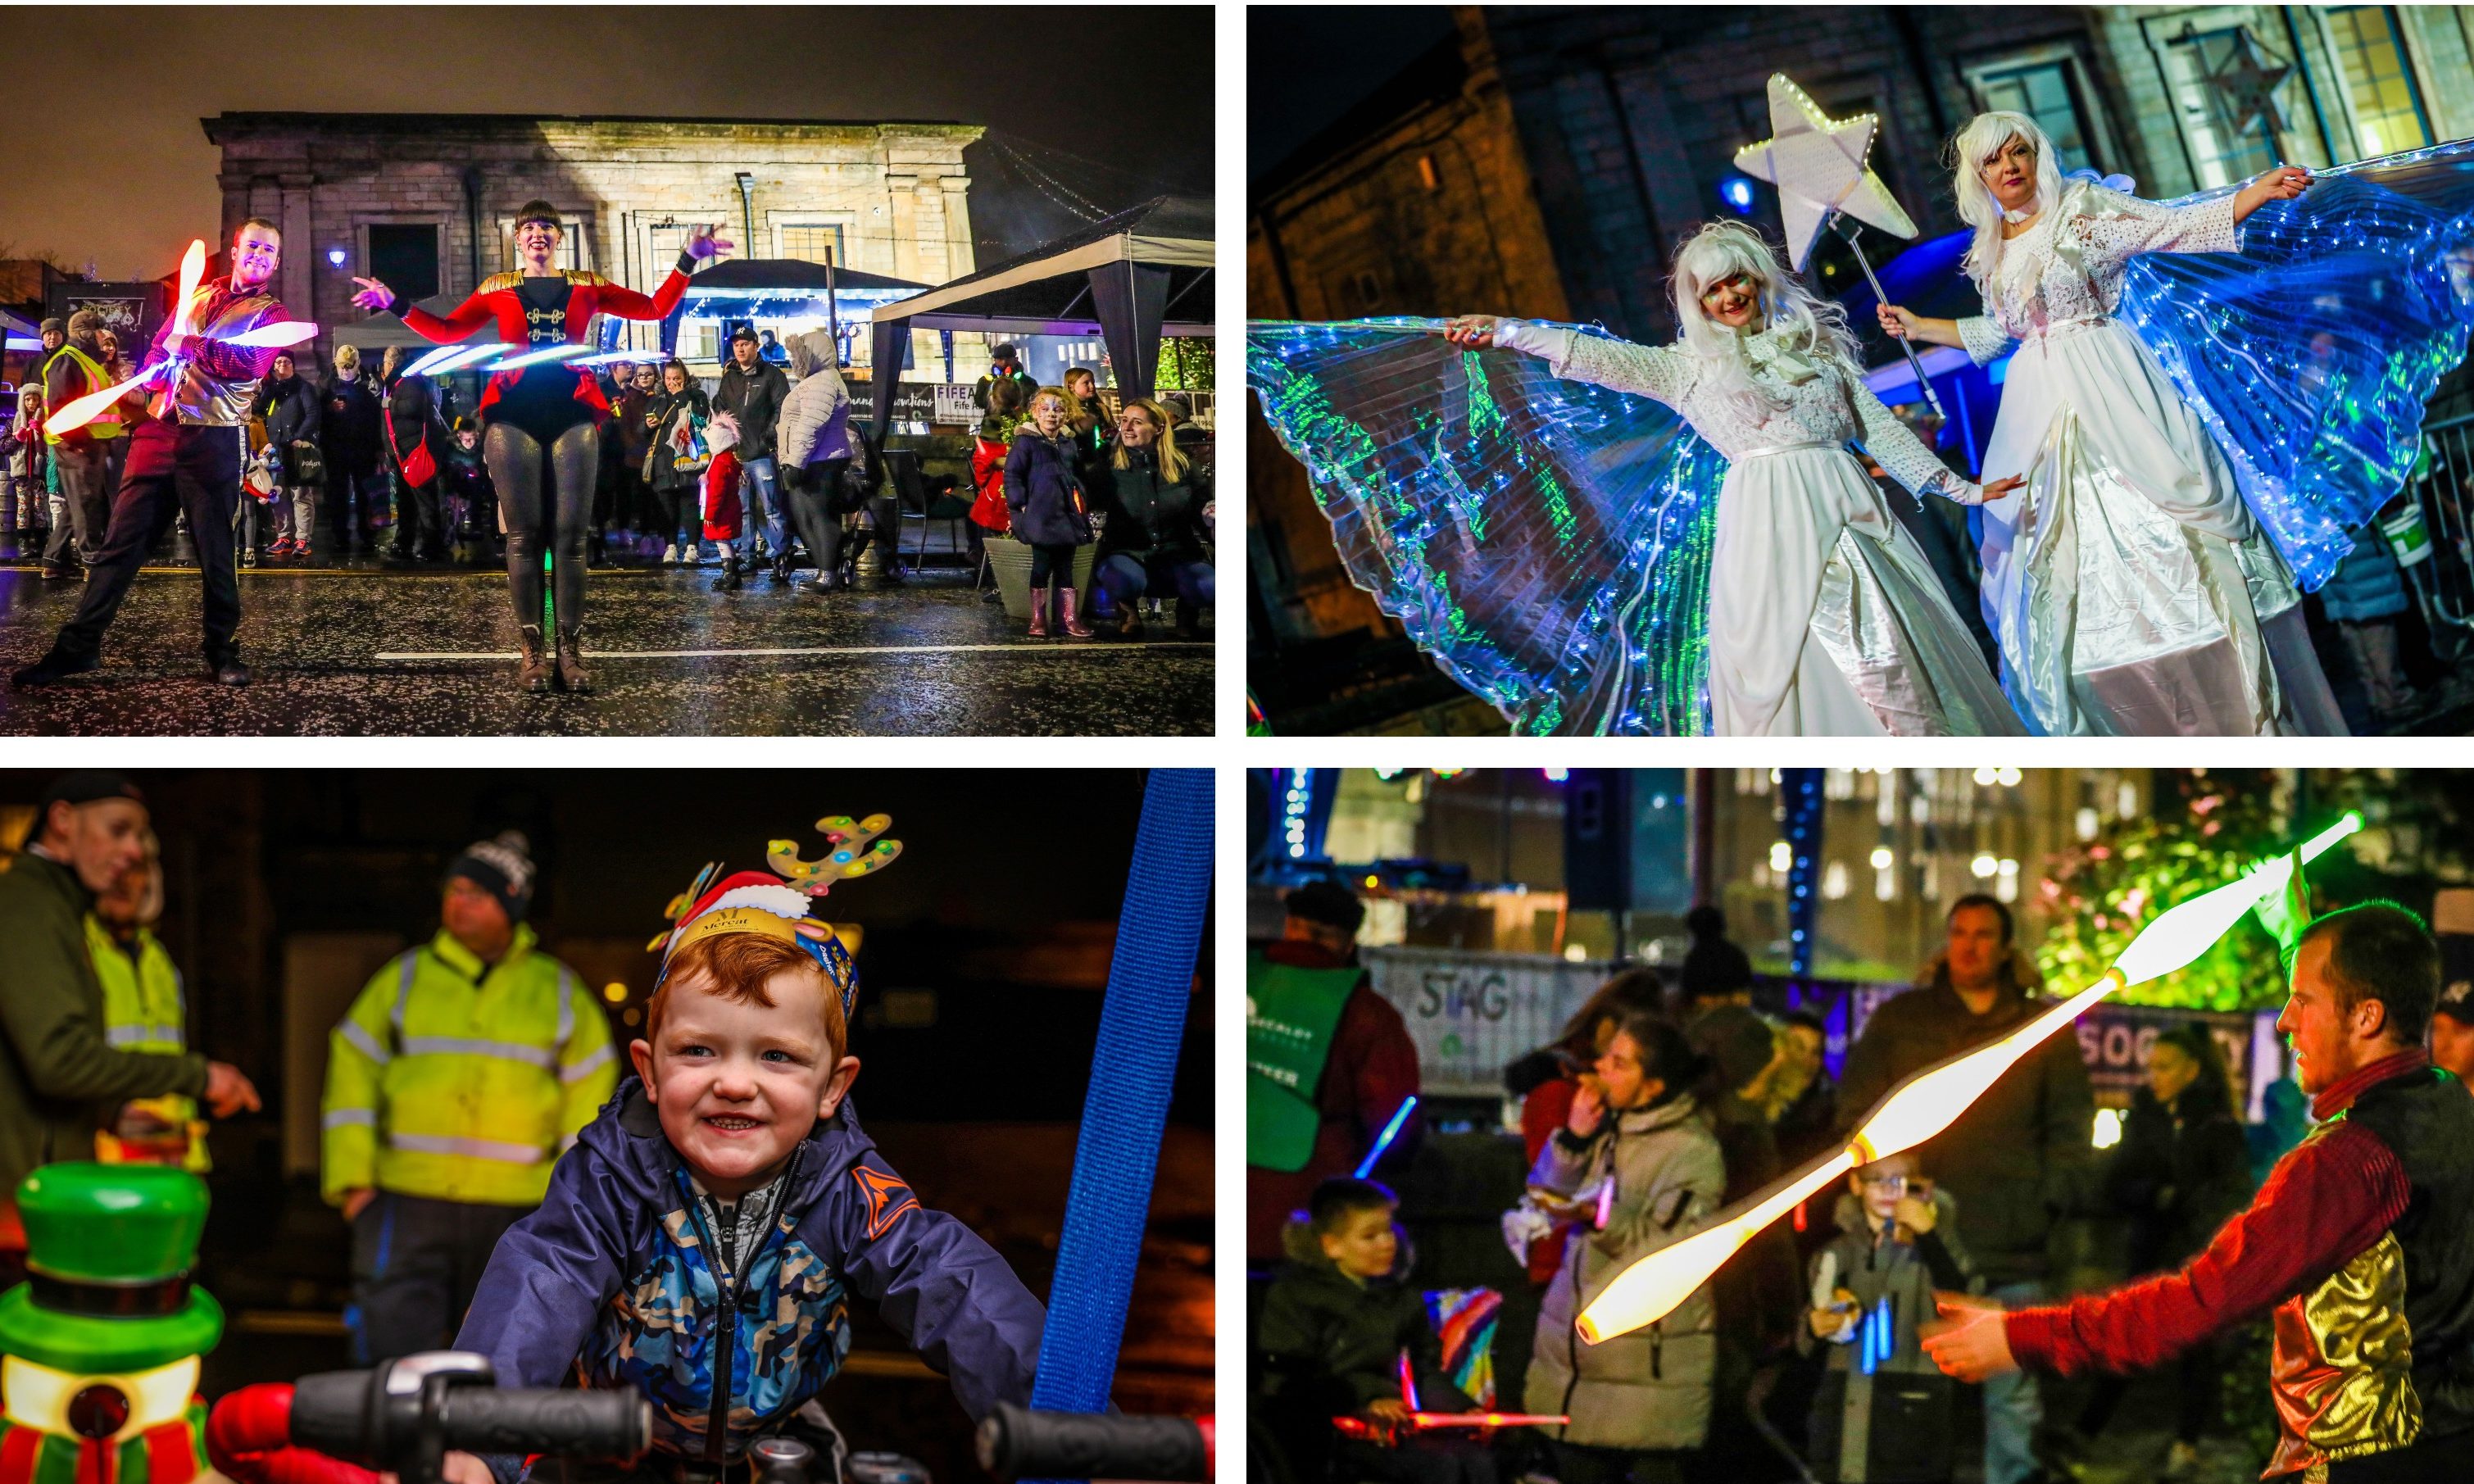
1881 857
1833 881
2388 109
1782 857
2046 91
810 241
2085 823
2226 145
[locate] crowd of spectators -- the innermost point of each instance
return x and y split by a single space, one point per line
1115 506
1667 1098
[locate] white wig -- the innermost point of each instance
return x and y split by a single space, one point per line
1985 137
1720 251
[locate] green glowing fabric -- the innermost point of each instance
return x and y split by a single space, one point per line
1547 542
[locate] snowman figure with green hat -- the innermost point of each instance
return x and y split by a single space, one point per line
99 1348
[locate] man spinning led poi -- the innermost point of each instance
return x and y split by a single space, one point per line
2362 1240
186 456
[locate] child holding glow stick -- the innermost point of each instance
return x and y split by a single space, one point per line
1883 1410
1334 1328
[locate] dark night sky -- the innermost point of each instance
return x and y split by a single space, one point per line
1129 86
1330 57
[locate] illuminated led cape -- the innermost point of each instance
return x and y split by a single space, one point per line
1547 542
2308 356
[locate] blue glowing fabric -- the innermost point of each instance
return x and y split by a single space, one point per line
1547 542
2309 355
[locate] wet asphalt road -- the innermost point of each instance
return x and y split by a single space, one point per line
379 652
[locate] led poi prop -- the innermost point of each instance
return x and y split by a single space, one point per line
1817 163
1931 1100
1383 1140
283 335
1429 1422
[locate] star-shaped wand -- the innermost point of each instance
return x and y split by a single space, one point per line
1817 163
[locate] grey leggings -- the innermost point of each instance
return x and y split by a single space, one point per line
515 459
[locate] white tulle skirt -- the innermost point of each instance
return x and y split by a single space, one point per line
2131 590
1825 618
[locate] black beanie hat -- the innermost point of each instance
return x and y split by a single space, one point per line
89 786
1327 903
1713 965
503 868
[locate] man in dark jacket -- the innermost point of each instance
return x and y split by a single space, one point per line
1368 1071
59 1073
2017 1161
413 419
752 392
1008 366
349 424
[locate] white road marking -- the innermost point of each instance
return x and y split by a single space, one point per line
1120 647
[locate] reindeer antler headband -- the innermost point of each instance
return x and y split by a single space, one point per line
777 906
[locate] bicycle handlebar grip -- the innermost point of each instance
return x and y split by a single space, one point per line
330 1412
566 1424
1018 1443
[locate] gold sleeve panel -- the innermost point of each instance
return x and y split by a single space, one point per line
499 282
2342 1378
580 276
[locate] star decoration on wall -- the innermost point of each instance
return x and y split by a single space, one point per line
1817 163
2246 81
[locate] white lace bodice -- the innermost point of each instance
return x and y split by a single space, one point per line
2067 267
1826 400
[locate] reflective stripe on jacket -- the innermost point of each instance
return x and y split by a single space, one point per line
144 1009
457 1080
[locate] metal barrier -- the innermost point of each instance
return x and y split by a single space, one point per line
2438 559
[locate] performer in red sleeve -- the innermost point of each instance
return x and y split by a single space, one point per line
2361 1242
545 414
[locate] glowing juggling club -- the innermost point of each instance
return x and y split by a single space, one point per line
283 335
1427 1421
1931 1100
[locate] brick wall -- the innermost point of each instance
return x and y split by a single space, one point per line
1632 117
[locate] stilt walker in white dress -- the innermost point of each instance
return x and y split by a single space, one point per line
1825 617
2132 590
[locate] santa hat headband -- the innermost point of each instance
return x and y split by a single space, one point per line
777 906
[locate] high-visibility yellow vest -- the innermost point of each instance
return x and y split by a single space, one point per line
107 423
144 1009
460 1081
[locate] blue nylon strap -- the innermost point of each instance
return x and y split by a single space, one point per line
1141 1025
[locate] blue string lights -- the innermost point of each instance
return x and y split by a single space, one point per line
2308 355
1801 793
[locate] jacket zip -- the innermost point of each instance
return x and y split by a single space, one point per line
726 1342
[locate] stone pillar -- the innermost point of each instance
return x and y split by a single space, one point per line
301 249
961 256
903 196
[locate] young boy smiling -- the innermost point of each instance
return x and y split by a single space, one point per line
699 1243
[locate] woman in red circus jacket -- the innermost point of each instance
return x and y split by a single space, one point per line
547 413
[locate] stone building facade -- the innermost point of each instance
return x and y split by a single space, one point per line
1424 207
395 194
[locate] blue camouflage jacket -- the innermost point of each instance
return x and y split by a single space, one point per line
614 1278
